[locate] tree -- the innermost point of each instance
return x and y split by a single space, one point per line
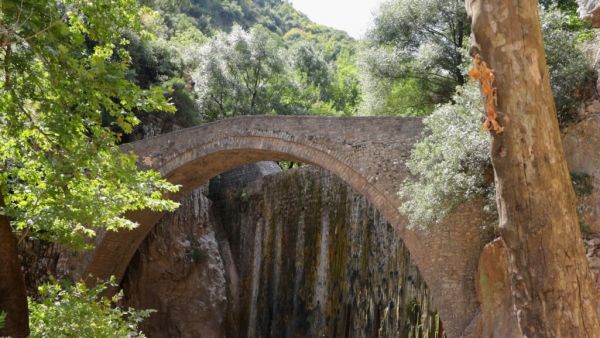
252 73
323 87
62 175
413 56
420 41
238 74
307 78
569 69
451 164
345 88
308 60
566 5
551 283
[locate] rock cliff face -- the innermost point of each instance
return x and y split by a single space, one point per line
292 254
590 10
179 272
581 142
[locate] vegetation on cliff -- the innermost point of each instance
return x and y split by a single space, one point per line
227 58
452 163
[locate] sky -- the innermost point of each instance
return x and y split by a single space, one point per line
352 16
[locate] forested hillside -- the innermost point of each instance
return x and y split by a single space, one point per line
226 58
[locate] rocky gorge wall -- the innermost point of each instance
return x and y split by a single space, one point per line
179 271
581 143
290 254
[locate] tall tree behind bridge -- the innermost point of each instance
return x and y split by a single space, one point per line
550 279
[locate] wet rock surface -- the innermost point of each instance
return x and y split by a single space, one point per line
316 259
308 258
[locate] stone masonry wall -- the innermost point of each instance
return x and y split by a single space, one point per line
309 258
315 259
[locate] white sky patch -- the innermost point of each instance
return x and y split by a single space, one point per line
352 16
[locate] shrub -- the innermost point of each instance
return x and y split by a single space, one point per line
450 164
79 311
582 184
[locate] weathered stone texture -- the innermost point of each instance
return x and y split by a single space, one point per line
314 259
241 176
317 260
592 252
581 142
178 271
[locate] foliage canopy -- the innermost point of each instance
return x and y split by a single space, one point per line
256 72
415 50
79 311
64 67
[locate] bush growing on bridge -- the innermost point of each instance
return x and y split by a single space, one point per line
450 164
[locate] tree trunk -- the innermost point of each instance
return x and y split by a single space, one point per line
550 279
13 295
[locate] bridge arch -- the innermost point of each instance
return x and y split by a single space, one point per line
367 153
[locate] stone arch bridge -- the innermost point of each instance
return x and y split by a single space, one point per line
368 153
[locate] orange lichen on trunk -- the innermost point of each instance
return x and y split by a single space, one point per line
485 75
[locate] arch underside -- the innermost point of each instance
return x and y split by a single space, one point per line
446 254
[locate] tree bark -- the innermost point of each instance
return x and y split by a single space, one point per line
551 284
13 295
